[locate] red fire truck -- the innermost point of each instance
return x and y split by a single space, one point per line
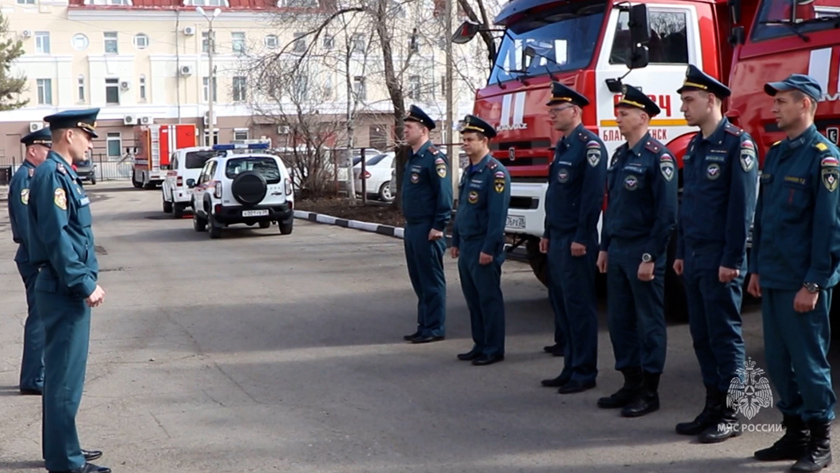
596 45
155 144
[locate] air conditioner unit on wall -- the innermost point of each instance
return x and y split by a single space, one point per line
186 70
129 120
146 120
207 118
26 33
35 126
189 30
125 84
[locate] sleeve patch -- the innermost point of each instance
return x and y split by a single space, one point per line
499 175
748 158
593 153
440 161
60 198
829 162
440 167
24 196
830 175
666 166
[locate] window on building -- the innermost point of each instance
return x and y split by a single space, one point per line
141 41
205 42
42 42
239 89
237 40
271 41
240 134
114 143
357 42
81 88
329 41
413 42
214 141
207 3
26 2
414 87
328 87
668 44
112 91
359 88
205 83
443 86
111 43
300 43
80 42
300 86
142 87
297 3
44 91
107 2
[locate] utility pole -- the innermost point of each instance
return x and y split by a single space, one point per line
454 166
211 81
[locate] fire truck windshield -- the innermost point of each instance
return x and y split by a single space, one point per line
778 17
562 39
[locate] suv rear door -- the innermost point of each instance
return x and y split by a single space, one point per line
267 166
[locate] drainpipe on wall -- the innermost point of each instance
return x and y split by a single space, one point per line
178 63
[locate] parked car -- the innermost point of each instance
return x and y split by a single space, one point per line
86 171
377 176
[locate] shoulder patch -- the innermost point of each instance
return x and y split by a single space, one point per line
652 147
821 146
60 198
593 153
774 144
60 168
582 136
491 165
733 130
666 166
748 157
433 149
31 172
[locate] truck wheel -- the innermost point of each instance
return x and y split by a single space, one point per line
265 224
215 229
92 180
199 224
137 184
537 260
167 206
286 227
177 210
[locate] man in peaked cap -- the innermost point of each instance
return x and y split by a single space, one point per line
794 266
427 206
478 238
572 205
640 216
32 364
720 170
61 244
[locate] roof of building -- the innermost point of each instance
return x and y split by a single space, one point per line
180 5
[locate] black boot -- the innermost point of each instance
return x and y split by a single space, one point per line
632 386
706 418
726 425
647 400
819 448
792 446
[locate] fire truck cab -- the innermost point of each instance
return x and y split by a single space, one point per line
155 143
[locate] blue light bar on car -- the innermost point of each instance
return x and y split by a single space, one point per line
240 146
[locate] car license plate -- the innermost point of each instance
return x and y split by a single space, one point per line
254 213
515 221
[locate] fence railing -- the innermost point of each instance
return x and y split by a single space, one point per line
105 169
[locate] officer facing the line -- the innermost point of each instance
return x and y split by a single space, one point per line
61 245
641 214
32 365
478 238
720 171
573 203
427 206
794 267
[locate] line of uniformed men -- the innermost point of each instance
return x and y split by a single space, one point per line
51 221
793 264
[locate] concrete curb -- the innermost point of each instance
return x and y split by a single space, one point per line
386 230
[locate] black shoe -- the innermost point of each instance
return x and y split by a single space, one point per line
632 386
792 446
91 455
86 468
647 401
409 338
427 339
706 418
469 356
819 448
576 387
727 426
556 382
555 350
484 360
31 392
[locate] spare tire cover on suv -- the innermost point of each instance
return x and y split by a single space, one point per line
249 188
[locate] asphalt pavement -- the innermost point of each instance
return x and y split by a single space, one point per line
262 352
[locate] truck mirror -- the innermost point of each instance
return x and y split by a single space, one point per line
465 32
639 24
735 11
639 57
190 183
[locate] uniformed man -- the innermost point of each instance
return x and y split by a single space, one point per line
572 205
32 364
720 171
61 245
640 216
478 237
794 267
427 206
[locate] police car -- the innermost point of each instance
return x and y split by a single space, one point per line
185 164
247 188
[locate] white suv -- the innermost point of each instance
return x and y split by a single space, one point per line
242 188
185 164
